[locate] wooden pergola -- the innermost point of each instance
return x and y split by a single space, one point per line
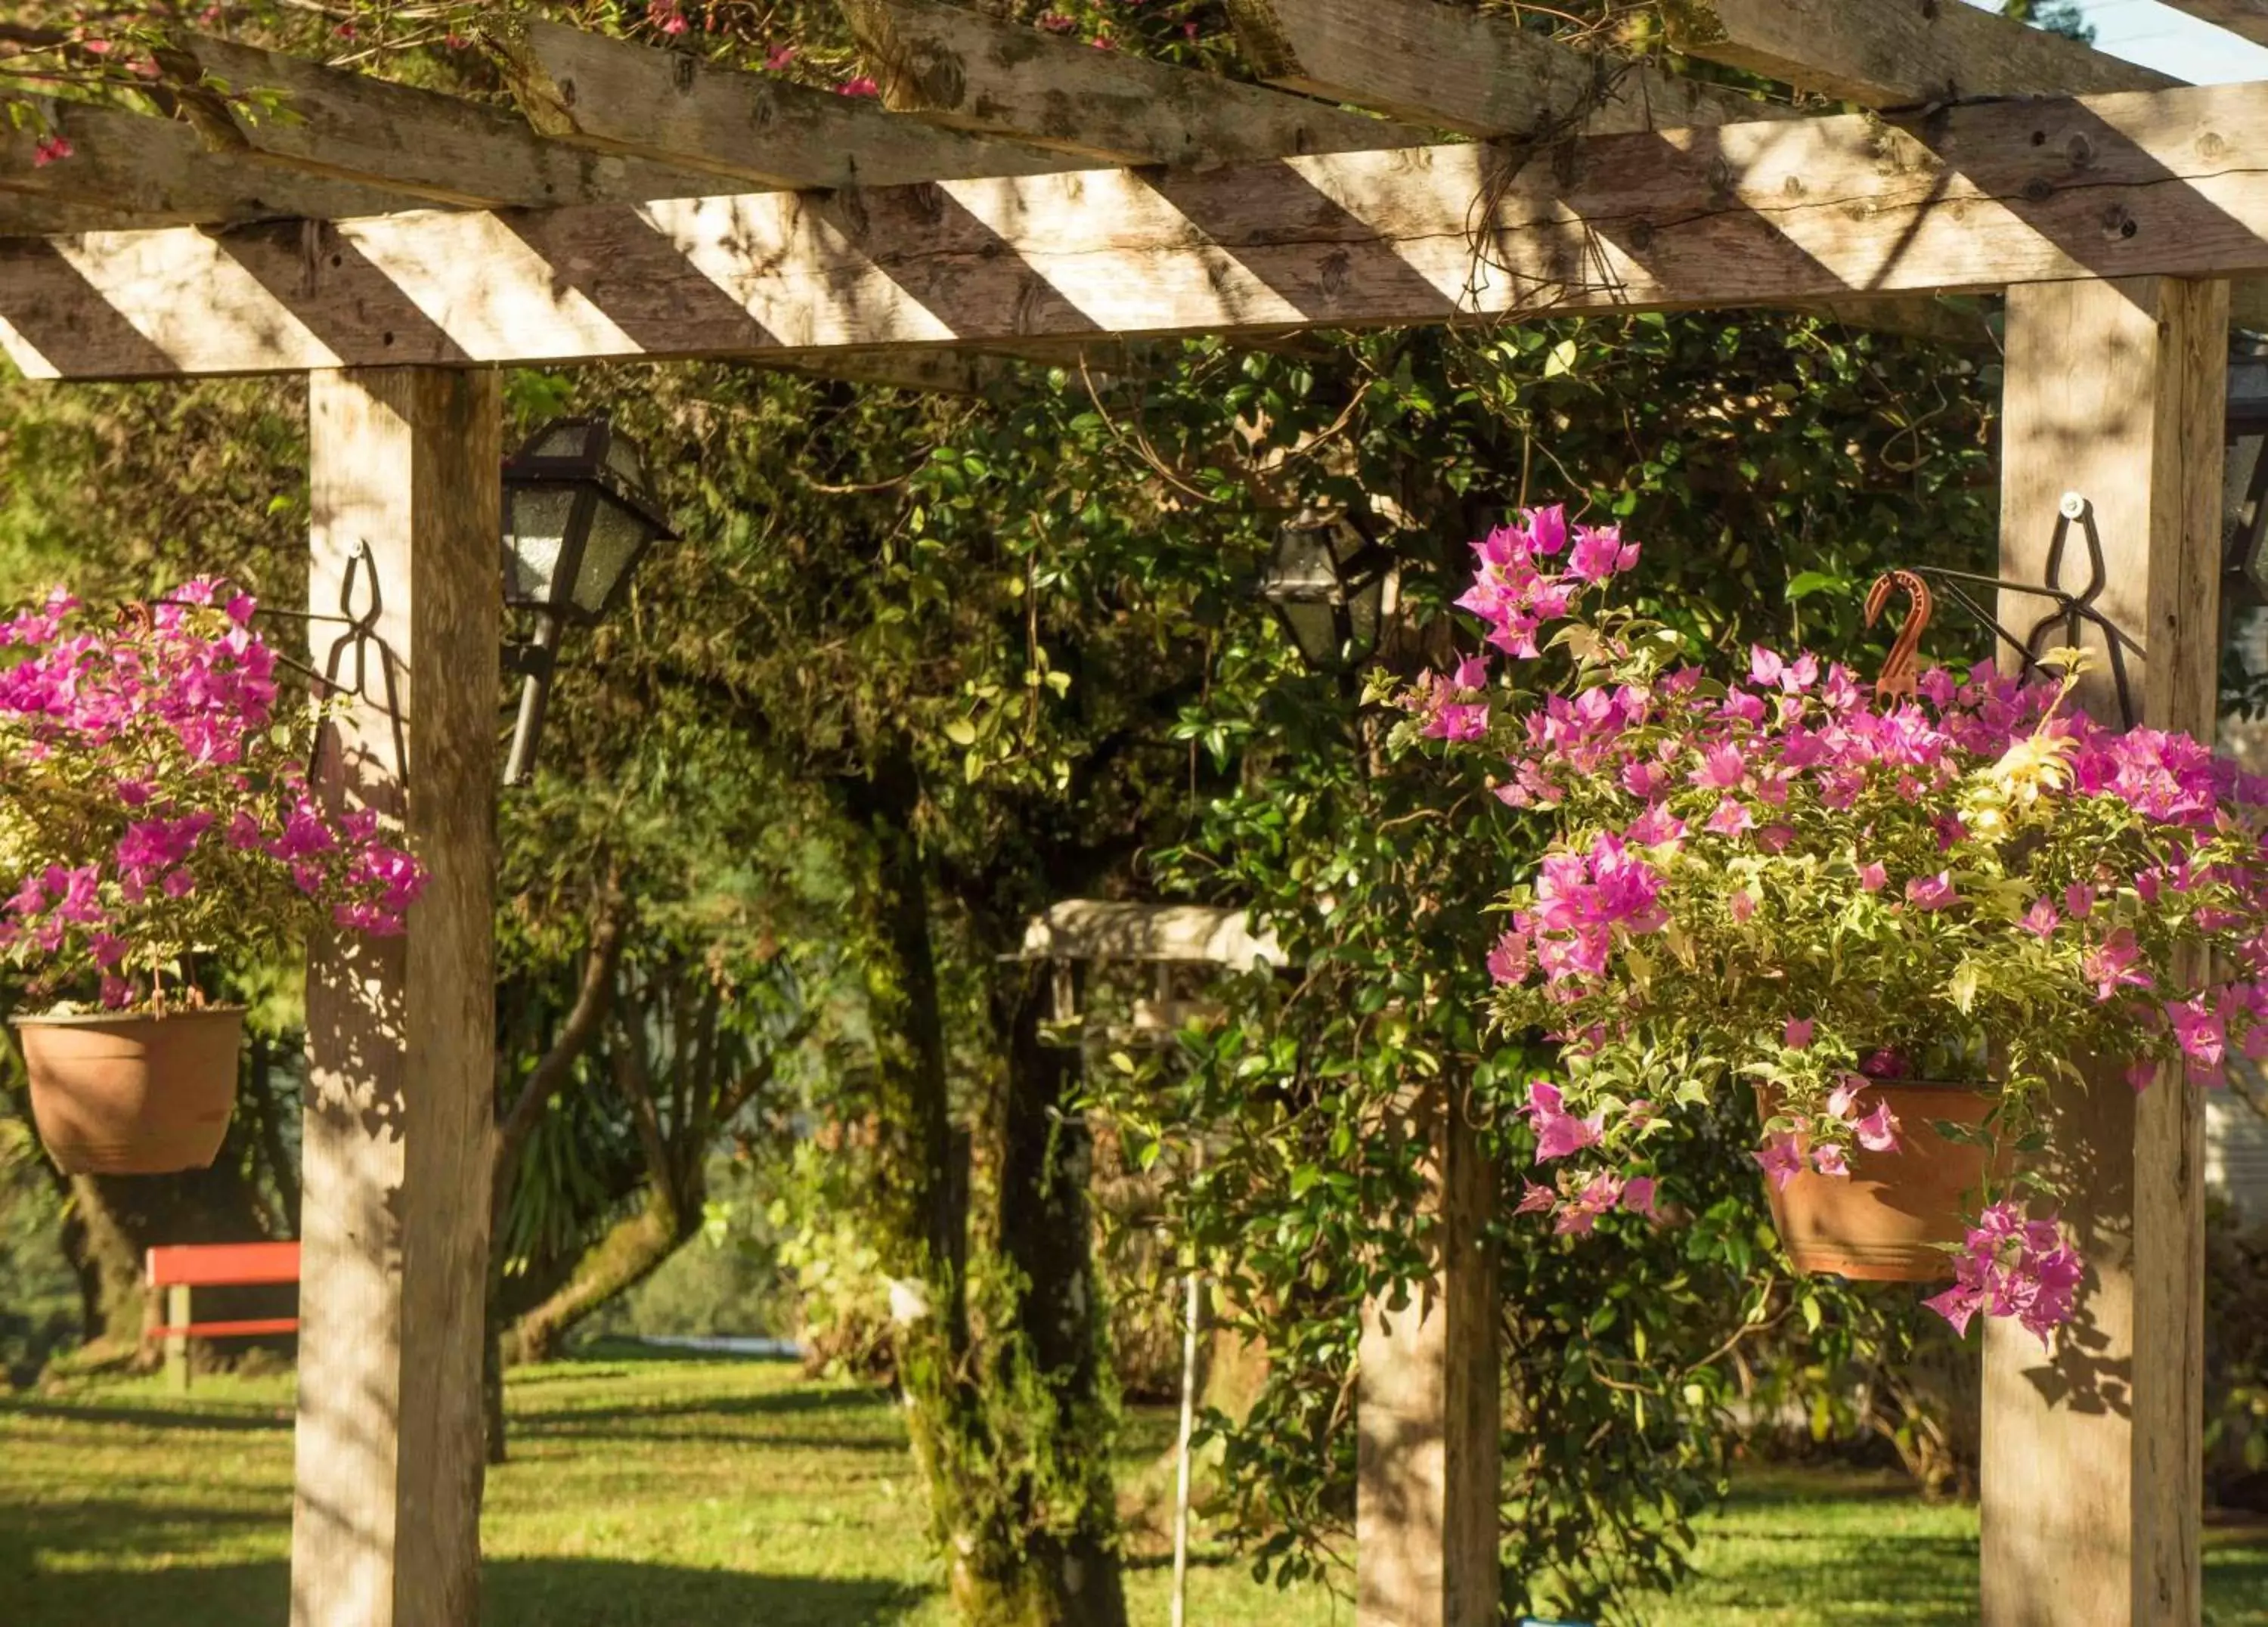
1021 194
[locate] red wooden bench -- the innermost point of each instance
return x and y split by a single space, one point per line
181 1268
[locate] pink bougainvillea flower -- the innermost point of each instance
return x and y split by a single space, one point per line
1510 960
1932 892
1843 1100
1878 1130
2040 920
2114 964
1743 906
1830 1160
1781 1159
1457 721
2078 901
777 57
1638 1196
1558 1132
1873 878
1795 1034
2011 1267
1599 553
1722 768
863 84
2202 1034
1536 1200
1731 818
51 149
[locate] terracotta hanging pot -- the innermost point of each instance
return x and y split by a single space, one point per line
1886 1221
133 1095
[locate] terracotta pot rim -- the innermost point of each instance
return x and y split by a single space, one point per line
89 1019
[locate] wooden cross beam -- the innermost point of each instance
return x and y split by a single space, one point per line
630 101
138 171
1465 70
1911 54
2248 18
1486 75
442 148
961 70
1896 52
2171 182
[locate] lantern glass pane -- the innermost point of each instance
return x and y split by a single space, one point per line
1364 607
1303 567
1315 628
565 440
533 541
622 459
617 534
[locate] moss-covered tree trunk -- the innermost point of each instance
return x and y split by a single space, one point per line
1055 1372
632 1250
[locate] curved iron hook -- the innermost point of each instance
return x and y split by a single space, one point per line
1902 672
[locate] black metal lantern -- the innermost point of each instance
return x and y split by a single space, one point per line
578 514
1333 590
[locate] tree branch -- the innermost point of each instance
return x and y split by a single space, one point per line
584 1023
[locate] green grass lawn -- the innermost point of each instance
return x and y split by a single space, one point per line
689 1491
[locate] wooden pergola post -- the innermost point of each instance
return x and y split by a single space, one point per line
1426 1400
405 464
2092 1475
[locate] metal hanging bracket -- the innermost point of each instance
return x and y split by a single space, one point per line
2073 613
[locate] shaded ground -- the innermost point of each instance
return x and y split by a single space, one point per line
663 1492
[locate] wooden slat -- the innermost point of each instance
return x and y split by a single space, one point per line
1455 67
1893 54
955 68
441 149
400 1114
2092 1472
2172 182
615 97
2246 19
217 1265
1896 52
1082 929
126 169
248 1328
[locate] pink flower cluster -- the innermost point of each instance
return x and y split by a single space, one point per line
2010 1266
159 793
1690 805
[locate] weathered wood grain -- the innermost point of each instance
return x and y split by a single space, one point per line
615 97
1909 53
953 66
2246 19
127 170
1460 69
441 149
1427 1402
400 1043
2171 182
1896 52
2092 1474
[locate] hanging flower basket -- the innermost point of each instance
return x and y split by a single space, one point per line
135 1095
1759 875
156 818
1898 1214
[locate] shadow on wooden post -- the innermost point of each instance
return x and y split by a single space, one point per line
1426 1407
2093 1480
400 1031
